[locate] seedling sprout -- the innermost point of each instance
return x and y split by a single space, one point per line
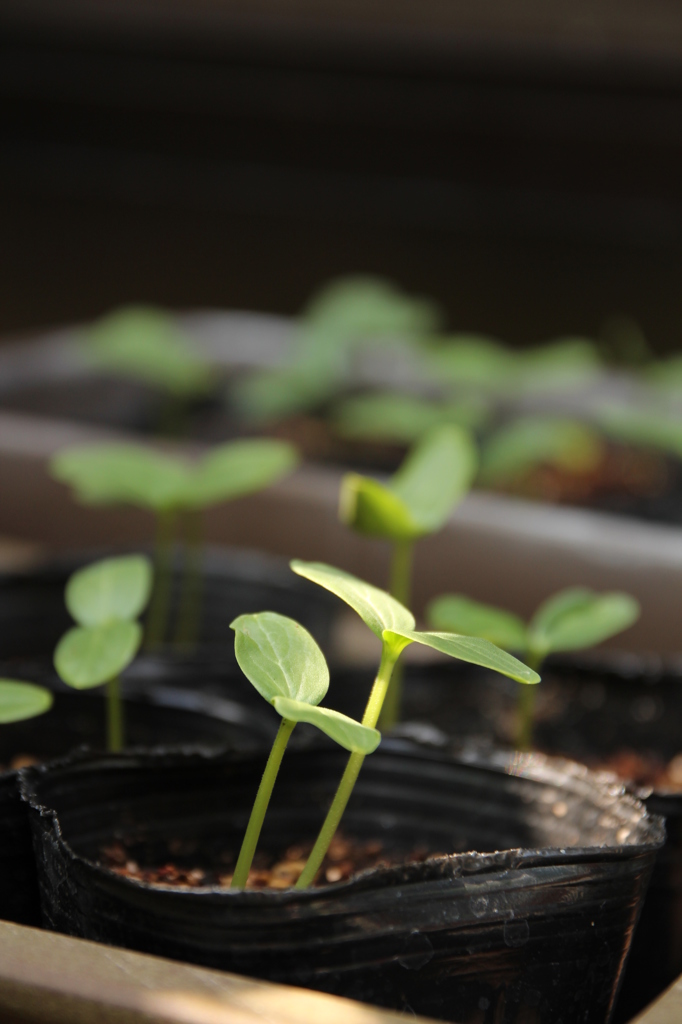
532 440
285 665
146 344
389 620
170 487
571 620
415 502
105 599
335 328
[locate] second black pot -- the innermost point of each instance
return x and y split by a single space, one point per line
537 931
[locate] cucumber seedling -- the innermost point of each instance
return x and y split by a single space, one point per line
338 325
171 487
284 664
531 441
146 344
570 620
105 599
415 502
394 625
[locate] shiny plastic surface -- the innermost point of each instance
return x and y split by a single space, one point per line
535 926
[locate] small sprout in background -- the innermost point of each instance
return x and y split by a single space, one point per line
403 419
170 487
146 344
572 620
533 441
20 700
415 502
473 363
337 326
556 365
394 625
646 427
105 599
284 664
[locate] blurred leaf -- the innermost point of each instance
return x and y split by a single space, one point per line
456 613
146 343
577 618
666 374
354 309
436 474
471 360
348 733
19 700
555 365
87 656
467 648
271 395
376 608
402 419
115 588
643 427
371 508
102 474
238 468
537 440
280 658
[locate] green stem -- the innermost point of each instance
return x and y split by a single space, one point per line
400 588
525 705
189 616
260 806
114 717
349 777
159 606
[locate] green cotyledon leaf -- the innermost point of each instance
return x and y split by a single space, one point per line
87 656
114 588
280 658
577 618
377 609
20 700
466 648
455 613
352 735
239 468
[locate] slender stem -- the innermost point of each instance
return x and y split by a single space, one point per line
189 616
525 705
260 806
114 716
159 606
401 586
349 777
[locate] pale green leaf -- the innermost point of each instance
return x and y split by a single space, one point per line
647 427
348 733
402 419
271 395
558 364
456 613
577 618
280 658
19 700
376 608
87 656
469 649
115 588
238 468
147 344
353 309
105 474
435 476
540 440
371 508
471 360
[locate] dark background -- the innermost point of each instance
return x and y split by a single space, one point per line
520 162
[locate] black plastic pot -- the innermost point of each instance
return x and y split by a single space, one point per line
589 707
170 717
537 931
33 616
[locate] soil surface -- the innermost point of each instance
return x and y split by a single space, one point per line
645 770
186 865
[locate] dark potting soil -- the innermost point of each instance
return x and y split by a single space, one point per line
184 862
